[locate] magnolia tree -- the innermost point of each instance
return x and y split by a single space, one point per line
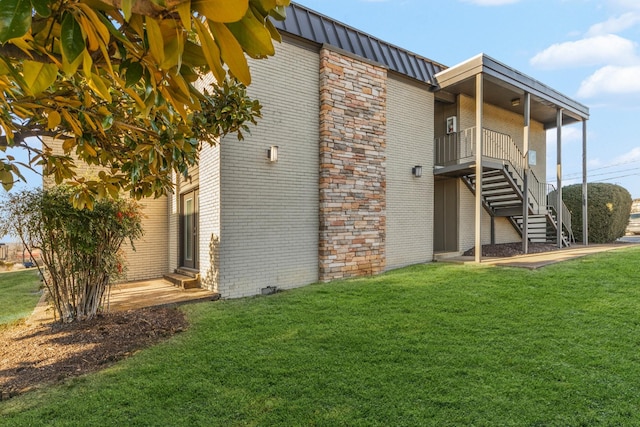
112 82
80 249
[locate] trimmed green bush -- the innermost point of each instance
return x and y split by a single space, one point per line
609 207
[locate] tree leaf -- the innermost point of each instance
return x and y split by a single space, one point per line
71 38
231 51
6 179
68 144
184 11
221 10
155 39
107 122
263 6
127 5
53 119
38 76
210 50
279 12
42 7
99 26
134 74
15 18
273 30
99 87
252 35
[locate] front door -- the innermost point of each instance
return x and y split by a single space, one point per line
189 229
445 237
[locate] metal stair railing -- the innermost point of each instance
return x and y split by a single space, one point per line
460 146
566 214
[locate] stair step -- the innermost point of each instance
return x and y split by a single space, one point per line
498 192
185 271
502 197
182 281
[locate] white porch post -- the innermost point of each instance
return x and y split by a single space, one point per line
585 207
559 175
479 106
525 149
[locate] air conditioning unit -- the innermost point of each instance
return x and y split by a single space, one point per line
452 125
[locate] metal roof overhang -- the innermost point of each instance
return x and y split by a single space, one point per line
312 26
502 84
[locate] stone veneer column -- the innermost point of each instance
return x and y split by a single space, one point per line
352 166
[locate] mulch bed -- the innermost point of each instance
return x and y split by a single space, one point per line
505 250
31 356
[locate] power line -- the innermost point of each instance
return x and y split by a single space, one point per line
613 165
613 172
618 177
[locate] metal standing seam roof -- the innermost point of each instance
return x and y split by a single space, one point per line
313 26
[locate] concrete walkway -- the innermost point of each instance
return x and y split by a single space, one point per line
534 261
128 296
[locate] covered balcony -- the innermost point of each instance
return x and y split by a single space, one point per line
509 185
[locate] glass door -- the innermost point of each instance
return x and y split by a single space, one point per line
189 230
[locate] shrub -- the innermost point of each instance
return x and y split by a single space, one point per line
608 205
80 248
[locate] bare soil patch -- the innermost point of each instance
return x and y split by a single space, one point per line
34 356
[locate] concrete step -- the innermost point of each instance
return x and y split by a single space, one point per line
182 281
185 271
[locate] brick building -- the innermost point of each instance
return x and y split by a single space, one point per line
365 160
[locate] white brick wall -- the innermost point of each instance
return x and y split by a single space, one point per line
269 217
173 221
150 259
410 111
209 216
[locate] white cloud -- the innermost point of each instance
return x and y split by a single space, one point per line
611 80
598 50
491 2
570 135
631 156
614 25
627 4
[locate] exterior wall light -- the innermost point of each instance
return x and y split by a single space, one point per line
515 102
272 153
417 171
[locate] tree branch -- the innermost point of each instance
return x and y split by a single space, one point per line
146 7
19 138
11 51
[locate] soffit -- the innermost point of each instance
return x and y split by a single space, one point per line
503 84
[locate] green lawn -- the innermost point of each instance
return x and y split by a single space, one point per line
19 294
437 344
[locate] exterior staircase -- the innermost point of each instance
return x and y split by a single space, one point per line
502 183
503 196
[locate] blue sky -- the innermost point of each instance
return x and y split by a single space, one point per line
586 49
